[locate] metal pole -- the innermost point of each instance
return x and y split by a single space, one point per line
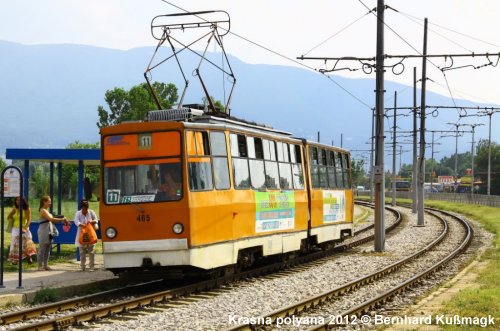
456 154
489 156
432 160
51 185
379 153
2 235
20 252
393 202
421 161
472 165
59 188
341 140
371 157
400 157
318 137
414 174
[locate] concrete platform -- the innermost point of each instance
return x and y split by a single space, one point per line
66 277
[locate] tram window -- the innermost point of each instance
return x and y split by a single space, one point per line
285 176
197 143
265 148
286 153
269 147
257 174
313 155
293 159
272 175
315 176
298 178
259 149
238 145
297 153
322 175
323 178
221 173
330 158
347 173
283 155
200 174
332 180
148 182
242 146
282 150
313 151
322 159
218 143
251 147
233 140
240 172
219 151
340 175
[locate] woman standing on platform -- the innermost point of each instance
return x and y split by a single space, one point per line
46 232
28 248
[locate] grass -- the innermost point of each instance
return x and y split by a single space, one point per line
46 295
483 300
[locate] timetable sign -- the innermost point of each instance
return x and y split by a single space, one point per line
12 184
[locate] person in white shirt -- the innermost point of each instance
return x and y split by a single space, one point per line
82 217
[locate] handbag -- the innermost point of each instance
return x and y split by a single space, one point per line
87 235
53 232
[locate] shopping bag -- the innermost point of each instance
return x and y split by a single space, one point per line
87 235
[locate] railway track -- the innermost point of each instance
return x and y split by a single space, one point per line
168 297
326 319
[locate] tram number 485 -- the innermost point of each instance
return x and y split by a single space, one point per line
143 218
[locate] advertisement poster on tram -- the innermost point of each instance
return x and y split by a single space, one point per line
333 206
274 211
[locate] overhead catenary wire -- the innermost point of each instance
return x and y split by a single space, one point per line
338 32
427 58
452 30
282 56
417 21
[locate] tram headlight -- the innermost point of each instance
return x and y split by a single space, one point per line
110 232
178 228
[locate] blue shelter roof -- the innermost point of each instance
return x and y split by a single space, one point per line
68 156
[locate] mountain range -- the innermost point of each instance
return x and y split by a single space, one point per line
49 96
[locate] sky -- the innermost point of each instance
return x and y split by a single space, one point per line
289 28
278 31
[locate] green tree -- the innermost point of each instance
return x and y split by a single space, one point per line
464 162
2 164
481 165
358 173
70 171
217 103
133 105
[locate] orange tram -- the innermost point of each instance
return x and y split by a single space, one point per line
186 192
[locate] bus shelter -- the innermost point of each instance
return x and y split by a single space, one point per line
78 157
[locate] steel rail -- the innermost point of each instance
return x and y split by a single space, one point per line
26 314
319 299
382 298
164 296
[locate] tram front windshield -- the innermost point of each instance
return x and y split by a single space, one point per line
142 183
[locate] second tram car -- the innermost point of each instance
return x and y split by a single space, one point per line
188 192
